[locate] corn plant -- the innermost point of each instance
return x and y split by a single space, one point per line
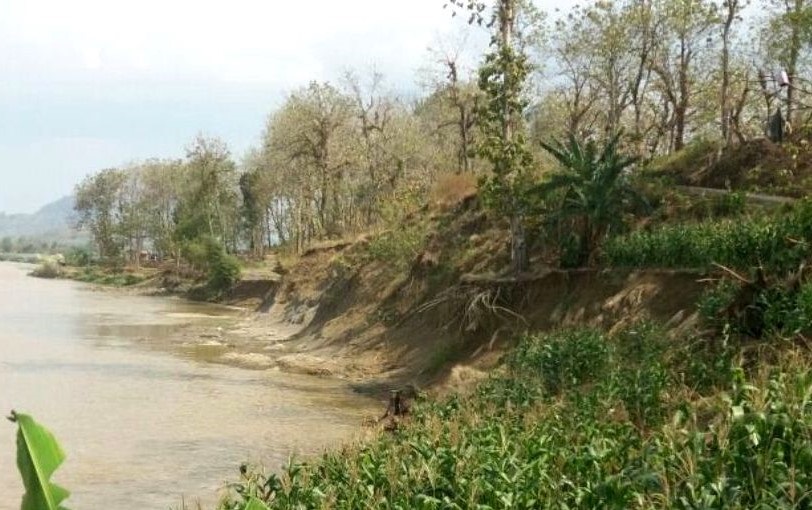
779 242
579 419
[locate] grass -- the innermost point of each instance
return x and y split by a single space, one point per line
47 269
581 419
101 276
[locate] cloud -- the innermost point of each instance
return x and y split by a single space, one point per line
91 83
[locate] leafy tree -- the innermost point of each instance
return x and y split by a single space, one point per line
502 79
208 204
98 201
593 188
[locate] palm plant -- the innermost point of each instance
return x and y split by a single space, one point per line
594 189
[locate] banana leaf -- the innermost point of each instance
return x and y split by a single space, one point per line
38 456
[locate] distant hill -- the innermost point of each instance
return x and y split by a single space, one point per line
53 222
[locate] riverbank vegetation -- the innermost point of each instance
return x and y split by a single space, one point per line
585 163
350 157
584 419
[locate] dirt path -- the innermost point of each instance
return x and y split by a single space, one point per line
760 198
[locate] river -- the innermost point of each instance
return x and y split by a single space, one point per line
145 422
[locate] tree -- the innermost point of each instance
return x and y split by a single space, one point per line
502 79
731 14
683 33
98 201
163 183
459 97
310 139
208 205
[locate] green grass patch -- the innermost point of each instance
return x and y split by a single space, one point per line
100 276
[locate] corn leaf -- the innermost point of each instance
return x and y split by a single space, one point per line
255 504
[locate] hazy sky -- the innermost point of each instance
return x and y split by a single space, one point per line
89 84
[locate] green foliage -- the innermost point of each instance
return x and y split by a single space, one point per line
223 269
778 242
729 204
38 456
563 361
209 256
398 247
47 269
601 442
715 299
777 310
502 80
594 193
787 312
113 278
224 272
79 257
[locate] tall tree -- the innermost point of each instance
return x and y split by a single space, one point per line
502 79
98 200
731 13
683 32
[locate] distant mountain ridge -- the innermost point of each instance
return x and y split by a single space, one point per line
54 221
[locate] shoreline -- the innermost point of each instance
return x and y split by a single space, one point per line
253 338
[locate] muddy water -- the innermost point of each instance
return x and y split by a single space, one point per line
144 421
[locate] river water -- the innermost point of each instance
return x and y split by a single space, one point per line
145 422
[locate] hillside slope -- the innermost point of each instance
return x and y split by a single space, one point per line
53 222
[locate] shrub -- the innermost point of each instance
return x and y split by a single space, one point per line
79 257
47 269
398 247
223 269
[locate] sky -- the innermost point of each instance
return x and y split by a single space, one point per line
92 84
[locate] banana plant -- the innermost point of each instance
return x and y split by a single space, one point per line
38 456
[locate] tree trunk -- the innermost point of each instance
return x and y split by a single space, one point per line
518 244
725 120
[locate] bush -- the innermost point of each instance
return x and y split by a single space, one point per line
224 270
79 257
398 247
778 310
47 269
209 256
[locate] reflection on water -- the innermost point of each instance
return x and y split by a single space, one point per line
142 427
